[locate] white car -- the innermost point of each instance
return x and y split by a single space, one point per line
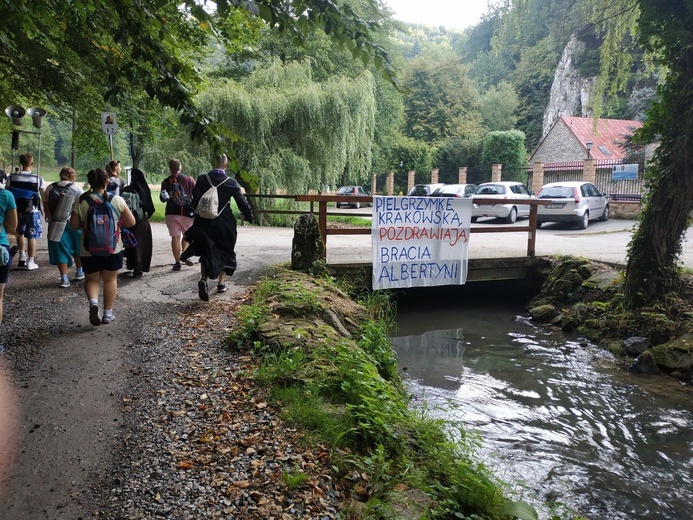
507 210
577 202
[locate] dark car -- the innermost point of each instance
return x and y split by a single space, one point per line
356 191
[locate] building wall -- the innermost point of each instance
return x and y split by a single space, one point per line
560 145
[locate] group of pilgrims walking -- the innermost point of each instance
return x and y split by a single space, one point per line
104 226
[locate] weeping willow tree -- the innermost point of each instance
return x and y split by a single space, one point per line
297 134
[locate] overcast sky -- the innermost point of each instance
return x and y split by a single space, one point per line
457 14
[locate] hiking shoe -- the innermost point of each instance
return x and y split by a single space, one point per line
202 290
79 276
64 282
21 264
31 265
107 319
94 318
176 266
222 288
189 262
137 273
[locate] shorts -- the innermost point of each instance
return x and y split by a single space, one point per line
94 264
5 269
178 224
29 225
64 251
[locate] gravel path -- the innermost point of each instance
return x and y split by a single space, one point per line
148 417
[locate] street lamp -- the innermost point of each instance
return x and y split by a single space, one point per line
588 145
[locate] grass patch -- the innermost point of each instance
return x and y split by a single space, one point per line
347 393
351 221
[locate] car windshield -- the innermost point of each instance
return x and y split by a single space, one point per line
557 192
491 189
345 190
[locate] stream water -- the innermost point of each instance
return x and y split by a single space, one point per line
557 416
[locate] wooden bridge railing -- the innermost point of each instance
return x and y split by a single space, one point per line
325 231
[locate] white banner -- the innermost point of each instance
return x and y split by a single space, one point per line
420 241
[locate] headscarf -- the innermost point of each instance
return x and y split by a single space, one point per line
139 184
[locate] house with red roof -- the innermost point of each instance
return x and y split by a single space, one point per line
570 138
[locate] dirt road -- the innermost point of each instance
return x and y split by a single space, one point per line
70 377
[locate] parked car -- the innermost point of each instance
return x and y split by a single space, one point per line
577 202
454 190
353 190
509 211
423 190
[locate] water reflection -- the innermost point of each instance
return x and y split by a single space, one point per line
561 416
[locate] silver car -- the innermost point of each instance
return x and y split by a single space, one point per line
507 210
454 190
423 190
577 202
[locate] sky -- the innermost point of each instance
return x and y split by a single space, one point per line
457 14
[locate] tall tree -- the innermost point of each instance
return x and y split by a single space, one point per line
298 134
652 271
440 101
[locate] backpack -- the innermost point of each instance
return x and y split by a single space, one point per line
102 230
208 205
177 193
25 191
134 202
57 210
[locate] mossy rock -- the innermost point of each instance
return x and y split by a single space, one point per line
543 313
675 354
301 296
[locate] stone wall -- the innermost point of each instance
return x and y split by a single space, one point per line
624 210
560 145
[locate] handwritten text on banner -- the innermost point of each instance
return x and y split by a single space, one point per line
420 241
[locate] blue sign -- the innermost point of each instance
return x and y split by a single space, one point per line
625 172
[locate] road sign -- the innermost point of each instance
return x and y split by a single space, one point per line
109 123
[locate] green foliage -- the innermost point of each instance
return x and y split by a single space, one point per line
348 394
498 106
299 135
506 148
440 100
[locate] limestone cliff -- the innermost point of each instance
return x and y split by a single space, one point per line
571 94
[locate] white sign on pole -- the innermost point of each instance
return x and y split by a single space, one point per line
109 123
420 241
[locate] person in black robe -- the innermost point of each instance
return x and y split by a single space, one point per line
139 259
214 240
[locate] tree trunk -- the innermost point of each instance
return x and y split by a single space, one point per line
654 251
